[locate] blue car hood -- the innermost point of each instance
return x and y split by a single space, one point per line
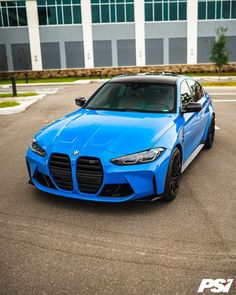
112 131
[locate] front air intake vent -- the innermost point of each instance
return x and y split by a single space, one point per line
44 180
89 174
60 169
117 190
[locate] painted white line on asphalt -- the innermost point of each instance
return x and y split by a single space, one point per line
217 128
80 82
224 100
47 91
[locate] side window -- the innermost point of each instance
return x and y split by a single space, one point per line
185 93
122 90
196 89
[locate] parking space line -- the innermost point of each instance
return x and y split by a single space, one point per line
47 91
217 128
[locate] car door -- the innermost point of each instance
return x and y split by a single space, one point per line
198 95
191 122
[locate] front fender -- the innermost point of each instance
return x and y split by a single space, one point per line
173 136
211 114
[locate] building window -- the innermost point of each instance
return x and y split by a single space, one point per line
59 12
112 11
165 10
218 9
12 14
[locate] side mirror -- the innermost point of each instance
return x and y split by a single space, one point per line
80 101
192 107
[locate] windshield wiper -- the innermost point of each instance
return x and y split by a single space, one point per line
125 110
129 110
97 108
142 111
113 109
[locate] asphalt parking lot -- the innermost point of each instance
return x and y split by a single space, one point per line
52 245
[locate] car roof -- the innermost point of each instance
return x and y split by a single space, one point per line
162 78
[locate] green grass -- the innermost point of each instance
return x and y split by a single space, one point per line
10 103
50 80
218 83
72 79
3 95
210 74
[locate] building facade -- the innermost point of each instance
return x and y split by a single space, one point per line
55 34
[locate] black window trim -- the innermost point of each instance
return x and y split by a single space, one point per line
181 105
118 82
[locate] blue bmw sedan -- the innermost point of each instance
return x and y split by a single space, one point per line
130 140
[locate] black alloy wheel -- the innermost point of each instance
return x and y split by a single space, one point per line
210 135
173 176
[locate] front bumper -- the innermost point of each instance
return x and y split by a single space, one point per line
144 179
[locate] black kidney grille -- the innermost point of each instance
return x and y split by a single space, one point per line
60 169
89 174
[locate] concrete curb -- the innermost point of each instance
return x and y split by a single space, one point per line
38 84
25 102
216 78
81 82
77 82
84 82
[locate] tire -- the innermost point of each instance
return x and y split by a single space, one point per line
210 135
173 176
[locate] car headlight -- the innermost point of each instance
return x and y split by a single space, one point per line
139 158
36 148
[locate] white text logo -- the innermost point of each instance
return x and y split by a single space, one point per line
215 286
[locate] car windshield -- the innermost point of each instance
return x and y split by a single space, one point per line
139 97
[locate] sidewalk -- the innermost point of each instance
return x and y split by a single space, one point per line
25 102
77 82
215 78
83 81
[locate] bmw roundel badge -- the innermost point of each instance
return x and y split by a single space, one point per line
76 152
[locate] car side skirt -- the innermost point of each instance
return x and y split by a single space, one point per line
191 157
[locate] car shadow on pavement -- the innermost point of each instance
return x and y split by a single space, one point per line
130 207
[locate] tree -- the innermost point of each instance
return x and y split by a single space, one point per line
219 53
